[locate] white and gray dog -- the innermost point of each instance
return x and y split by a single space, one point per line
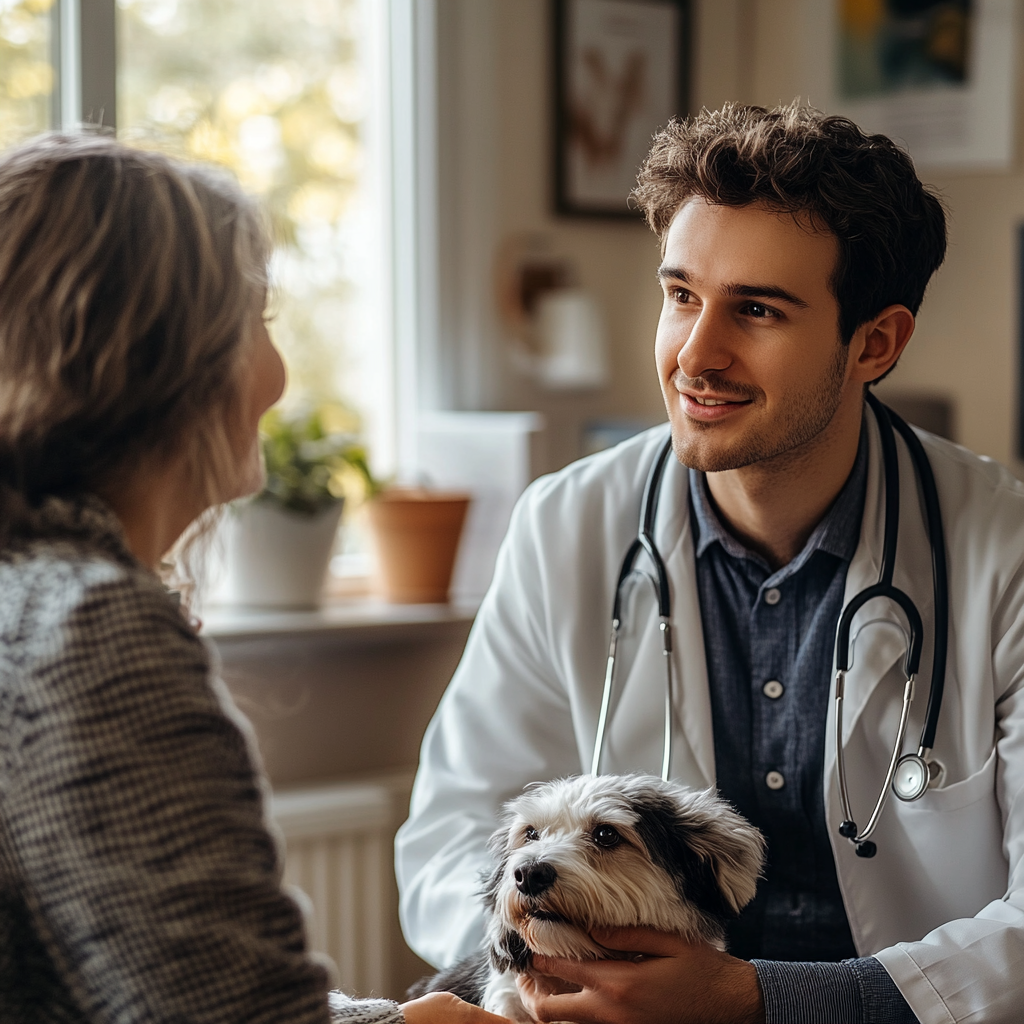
603 851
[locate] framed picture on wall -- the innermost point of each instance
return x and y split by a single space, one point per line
938 76
622 70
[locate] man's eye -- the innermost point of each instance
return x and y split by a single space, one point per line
680 295
759 311
531 834
607 836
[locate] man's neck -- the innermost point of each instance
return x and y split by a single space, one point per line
773 506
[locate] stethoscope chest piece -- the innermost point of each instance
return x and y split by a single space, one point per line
913 777
915 774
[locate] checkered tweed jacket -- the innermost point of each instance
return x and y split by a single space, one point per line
138 879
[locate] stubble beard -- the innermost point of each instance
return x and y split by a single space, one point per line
789 439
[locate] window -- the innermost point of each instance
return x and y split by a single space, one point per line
26 68
288 104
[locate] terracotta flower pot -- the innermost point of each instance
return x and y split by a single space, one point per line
416 534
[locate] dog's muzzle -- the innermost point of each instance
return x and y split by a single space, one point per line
535 879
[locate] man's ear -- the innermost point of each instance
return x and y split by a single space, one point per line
877 344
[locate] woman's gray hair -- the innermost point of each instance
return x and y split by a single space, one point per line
128 284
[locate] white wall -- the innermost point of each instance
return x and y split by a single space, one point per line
495 66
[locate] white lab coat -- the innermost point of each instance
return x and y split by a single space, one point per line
942 903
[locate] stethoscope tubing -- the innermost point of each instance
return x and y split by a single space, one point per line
644 541
940 577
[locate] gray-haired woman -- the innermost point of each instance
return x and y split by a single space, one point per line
138 880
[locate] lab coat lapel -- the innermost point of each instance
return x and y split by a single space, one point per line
692 706
637 719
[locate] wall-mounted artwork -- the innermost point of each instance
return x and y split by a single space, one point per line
937 75
888 48
622 70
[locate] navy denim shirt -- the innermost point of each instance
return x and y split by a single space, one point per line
769 638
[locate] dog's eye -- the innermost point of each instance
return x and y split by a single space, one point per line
607 836
531 834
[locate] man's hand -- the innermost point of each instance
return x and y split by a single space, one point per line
444 1008
667 981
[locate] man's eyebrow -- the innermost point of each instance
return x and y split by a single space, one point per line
748 291
676 273
765 291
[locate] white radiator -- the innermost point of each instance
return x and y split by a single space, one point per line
339 853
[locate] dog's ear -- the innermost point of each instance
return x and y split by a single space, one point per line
713 855
491 880
735 850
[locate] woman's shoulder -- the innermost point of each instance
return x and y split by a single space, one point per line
65 593
49 579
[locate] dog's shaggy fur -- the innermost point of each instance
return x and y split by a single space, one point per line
603 851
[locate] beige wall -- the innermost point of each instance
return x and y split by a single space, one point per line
616 260
750 50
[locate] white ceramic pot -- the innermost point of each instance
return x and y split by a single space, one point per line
277 558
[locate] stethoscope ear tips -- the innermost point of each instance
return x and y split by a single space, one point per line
865 848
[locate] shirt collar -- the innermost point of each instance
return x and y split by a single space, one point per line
837 533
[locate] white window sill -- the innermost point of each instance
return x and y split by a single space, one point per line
363 619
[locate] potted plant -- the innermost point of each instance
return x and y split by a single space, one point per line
278 544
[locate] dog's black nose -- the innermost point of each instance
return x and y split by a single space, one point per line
534 879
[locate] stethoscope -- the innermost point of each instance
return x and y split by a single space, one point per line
909 775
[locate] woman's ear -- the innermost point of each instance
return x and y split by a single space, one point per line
877 344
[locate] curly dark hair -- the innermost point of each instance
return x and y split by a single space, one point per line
863 189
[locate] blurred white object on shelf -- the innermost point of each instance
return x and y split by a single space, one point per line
491 455
573 345
271 557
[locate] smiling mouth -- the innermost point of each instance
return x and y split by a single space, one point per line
718 401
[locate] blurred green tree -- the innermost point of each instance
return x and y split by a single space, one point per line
26 74
277 93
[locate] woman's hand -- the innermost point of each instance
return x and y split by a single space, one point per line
444 1008
666 981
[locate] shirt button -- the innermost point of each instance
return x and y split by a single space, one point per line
773 688
774 780
772 596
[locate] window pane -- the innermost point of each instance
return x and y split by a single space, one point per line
278 93
26 71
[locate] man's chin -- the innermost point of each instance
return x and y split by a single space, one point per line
706 454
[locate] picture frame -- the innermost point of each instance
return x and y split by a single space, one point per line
937 76
621 72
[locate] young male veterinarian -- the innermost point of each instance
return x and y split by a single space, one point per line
796 252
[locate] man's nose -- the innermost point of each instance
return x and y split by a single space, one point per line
706 347
535 879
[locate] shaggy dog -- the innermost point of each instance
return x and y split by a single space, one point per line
603 851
